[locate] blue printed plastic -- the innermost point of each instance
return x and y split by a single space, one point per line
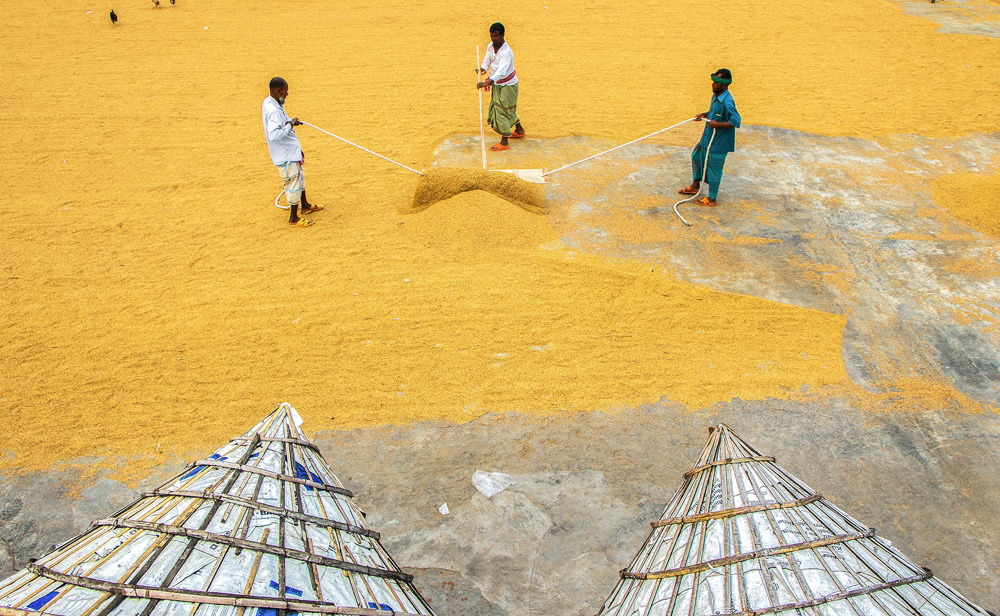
302 473
40 602
379 606
288 589
194 471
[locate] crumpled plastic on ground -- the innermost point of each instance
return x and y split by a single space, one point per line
490 484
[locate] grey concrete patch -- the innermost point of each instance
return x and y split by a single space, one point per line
957 16
99 500
589 484
43 509
843 225
446 596
35 514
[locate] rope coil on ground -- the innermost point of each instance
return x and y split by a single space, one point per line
704 180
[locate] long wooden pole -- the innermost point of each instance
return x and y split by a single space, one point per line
482 128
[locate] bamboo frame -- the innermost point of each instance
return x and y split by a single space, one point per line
259 471
773 540
220 506
728 513
245 544
730 560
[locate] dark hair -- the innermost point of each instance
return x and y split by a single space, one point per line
724 73
276 83
497 27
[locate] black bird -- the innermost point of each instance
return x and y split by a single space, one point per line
173 1
114 18
156 3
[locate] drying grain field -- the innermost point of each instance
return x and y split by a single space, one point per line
154 303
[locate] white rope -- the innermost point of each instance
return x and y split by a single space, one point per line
365 149
704 180
280 207
704 172
618 146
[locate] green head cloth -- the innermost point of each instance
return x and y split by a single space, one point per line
718 79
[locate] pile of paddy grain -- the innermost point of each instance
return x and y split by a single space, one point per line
443 183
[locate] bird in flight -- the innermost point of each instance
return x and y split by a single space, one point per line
114 17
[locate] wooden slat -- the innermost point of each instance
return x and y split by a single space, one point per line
857 592
730 560
253 545
698 469
275 439
259 471
213 598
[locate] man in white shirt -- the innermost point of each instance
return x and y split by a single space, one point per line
286 153
499 62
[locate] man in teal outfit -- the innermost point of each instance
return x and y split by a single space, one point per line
722 119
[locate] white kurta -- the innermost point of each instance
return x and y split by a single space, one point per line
500 64
282 143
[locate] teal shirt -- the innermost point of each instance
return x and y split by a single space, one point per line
723 109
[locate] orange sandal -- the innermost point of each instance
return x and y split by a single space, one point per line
517 135
499 147
706 202
690 190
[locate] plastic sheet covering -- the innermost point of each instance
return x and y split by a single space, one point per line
261 518
742 536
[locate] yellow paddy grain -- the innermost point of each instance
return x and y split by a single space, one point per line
973 198
151 295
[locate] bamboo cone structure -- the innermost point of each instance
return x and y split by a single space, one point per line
262 527
744 537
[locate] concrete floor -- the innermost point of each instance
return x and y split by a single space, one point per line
849 228
957 16
589 484
842 225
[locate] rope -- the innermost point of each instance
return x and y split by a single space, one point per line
618 146
285 207
704 181
704 171
365 149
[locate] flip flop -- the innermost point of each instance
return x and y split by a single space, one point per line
312 208
499 147
302 222
688 191
517 135
706 202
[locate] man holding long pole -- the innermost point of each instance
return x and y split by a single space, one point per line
502 80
